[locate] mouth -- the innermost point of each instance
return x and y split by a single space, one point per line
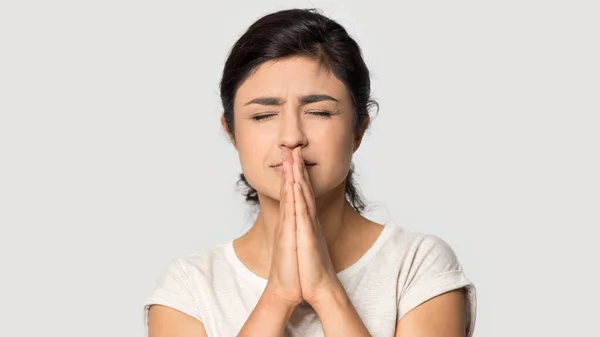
279 166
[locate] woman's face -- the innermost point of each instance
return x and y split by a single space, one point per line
288 103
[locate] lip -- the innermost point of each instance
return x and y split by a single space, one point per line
279 167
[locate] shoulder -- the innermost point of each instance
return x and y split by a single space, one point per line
183 274
422 257
429 267
419 245
201 263
181 282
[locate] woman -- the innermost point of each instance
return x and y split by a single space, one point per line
296 98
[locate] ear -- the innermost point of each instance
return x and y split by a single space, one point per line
226 129
361 132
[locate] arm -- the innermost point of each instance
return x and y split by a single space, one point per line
168 322
338 316
443 315
268 319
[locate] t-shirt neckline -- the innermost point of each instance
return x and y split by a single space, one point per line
343 275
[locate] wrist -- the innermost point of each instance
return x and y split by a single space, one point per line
277 302
333 296
338 315
268 318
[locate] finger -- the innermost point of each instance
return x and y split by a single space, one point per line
303 218
306 194
284 180
282 197
283 203
282 190
286 230
282 187
287 170
290 210
301 171
306 175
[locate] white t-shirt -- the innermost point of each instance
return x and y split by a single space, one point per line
401 270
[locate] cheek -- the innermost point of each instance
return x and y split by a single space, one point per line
254 156
251 141
250 153
334 151
335 141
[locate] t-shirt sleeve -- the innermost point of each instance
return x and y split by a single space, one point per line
434 270
173 290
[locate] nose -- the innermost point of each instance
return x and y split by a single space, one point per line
291 132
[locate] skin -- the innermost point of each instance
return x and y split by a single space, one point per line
305 231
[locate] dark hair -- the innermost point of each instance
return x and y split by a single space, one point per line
295 32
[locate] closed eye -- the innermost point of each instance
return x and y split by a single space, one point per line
268 116
261 117
321 113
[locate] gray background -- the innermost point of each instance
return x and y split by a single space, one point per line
113 162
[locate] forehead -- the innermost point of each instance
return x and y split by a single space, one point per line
291 76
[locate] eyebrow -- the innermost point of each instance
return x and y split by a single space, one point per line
302 100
